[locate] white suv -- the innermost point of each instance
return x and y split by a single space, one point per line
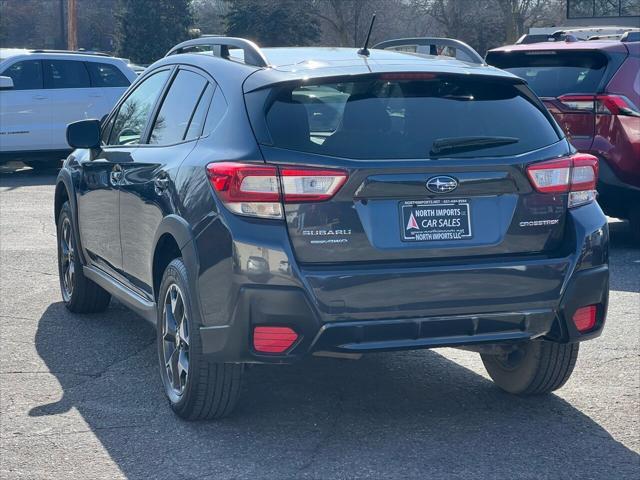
42 91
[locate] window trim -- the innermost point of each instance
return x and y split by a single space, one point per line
193 113
158 105
204 134
45 77
132 88
20 60
93 85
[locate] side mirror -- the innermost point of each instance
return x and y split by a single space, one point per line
84 134
6 83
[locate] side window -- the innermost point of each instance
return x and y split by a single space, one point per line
106 75
26 75
197 120
65 74
106 130
134 112
174 116
216 112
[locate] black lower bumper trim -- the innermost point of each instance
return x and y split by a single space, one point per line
290 307
415 333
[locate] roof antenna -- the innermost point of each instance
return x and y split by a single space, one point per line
364 50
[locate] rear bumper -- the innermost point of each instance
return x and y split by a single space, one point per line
291 307
413 306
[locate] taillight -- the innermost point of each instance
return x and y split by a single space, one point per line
601 104
579 102
257 190
310 185
577 175
247 189
616 105
551 176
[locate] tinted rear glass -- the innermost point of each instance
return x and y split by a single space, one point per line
106 75
177 108
26 75
65 74
551 74
394 116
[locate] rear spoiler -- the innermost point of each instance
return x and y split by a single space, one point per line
429 46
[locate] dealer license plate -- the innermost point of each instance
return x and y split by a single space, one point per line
433 220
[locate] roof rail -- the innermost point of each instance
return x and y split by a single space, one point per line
74 52
467 54
220 48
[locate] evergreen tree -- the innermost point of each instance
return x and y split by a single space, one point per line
147 29
273 23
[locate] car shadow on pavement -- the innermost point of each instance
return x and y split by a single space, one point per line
401 415
17 175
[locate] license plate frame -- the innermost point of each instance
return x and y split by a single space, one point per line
435 220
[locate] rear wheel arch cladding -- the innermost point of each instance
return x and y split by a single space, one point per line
61 196
177 228
65 191
166 250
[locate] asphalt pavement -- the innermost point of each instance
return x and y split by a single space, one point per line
80 395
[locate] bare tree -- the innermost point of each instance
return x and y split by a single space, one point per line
516 14
476 22
346 22
209 15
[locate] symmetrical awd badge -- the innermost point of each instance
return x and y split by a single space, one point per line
442 184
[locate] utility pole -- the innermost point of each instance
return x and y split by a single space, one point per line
62 41
72 34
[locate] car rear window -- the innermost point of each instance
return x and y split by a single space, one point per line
106 75
551 74
397 116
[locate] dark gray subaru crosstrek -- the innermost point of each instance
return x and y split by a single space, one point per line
263 205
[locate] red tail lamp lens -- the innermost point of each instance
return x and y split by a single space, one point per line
273 339
577 174
585 318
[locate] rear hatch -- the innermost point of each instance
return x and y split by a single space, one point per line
567 82
435 166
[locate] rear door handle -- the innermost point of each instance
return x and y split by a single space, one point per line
39 97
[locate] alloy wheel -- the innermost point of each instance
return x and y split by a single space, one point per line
67 257
175 340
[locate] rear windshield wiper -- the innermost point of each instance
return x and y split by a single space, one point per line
463 144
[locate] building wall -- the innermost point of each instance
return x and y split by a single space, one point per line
625 13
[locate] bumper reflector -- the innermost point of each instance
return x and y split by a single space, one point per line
585 318
273 339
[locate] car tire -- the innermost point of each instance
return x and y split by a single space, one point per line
533 368
80 294
197 388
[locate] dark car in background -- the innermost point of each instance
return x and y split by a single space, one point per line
592 88
261 205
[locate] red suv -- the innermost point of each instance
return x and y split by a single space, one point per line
592 88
